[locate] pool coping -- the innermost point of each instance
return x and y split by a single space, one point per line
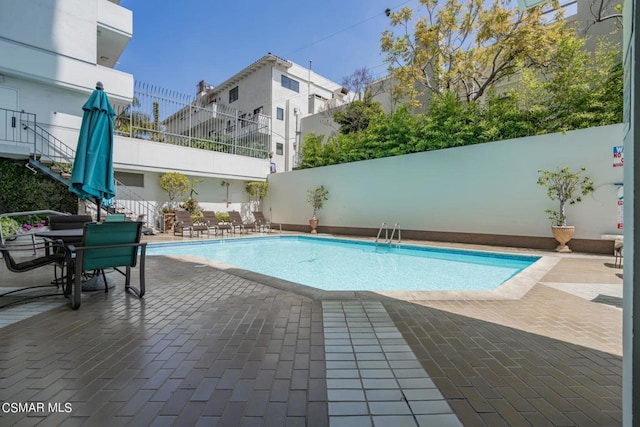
512 289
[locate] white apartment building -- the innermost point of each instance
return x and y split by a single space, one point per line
283 90
53 53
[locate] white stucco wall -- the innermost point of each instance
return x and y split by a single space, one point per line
138 155
211 193
486 188
55 43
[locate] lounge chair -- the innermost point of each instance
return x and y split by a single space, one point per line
183 222
212 222
237 221
618 253
105 245
56 257
263 223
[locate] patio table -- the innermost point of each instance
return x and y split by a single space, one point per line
72 235
68 237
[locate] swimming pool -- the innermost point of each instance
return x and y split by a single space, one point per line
339 264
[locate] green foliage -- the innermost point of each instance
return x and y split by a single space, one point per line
22 190
64 167
579 90
192 206
466 46
257 189
316 198
9 226
175 184
223 216
312 152
564 186
356 115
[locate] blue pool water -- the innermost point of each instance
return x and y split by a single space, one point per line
337 264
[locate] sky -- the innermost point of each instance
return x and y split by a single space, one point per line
177 44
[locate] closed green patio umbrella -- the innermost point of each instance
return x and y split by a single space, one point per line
92 175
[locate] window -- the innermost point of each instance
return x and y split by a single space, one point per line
233 94
279 148
130 179
279 113
294 85
243 120
257 111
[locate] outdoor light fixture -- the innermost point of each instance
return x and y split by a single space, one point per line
225 183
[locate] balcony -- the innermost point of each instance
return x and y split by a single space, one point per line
115 28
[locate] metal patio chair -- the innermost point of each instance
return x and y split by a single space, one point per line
55 254
263 223
107 245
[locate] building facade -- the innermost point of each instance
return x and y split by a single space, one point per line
282 90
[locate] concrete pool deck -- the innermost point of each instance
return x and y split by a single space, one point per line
206 346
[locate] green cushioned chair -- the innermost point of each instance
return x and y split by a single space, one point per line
105 245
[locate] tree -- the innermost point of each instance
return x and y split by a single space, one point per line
257 190
578 90
358 82
133 122
356 115
605 10
565 186
175 184
467 46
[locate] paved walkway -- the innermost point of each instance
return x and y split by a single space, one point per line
208 347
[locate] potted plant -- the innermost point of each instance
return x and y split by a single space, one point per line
316 197
564 186
257 191
175 184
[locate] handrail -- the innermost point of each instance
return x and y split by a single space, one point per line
386 232
396 226
54 150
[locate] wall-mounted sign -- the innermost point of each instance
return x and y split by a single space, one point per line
618 156
620 208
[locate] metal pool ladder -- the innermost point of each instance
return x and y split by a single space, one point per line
388 239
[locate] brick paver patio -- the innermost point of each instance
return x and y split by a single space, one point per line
206 347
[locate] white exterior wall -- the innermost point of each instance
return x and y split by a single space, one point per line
262 87
139 155
294 105
486 188
253 92
212 195
56 43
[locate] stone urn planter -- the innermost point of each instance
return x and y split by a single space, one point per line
567 188
563 233
314 225
169 219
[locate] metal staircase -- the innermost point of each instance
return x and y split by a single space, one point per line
46 150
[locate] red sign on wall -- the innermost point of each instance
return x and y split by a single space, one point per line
618 156
620 214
